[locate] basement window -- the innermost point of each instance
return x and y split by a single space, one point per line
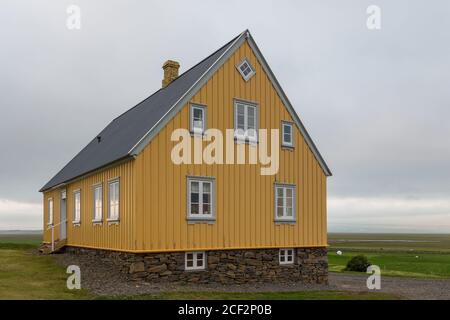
286 256
246 69
287 134
195 260
284 203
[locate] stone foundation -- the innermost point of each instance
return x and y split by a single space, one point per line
223 266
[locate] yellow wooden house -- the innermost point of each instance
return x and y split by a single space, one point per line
198 221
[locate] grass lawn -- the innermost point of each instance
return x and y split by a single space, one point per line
427 265
418 255
27 276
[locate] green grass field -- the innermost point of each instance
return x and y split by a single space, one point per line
407 255
24 275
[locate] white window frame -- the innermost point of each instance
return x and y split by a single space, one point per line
98 217
116 217
195 261
76 207
201 216
50 211
197 131
285 217
286 256
250 66
284 143
242 135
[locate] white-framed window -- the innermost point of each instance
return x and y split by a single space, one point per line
287 134
286 256
98 203
195 260
50 211
77 206
198 119
285 202
200 198
245 121
246 69
114 196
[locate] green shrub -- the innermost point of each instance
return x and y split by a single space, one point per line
358 263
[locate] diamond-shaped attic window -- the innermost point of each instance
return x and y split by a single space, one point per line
246 70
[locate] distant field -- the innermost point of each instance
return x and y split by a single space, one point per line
391 242
408 255
10 240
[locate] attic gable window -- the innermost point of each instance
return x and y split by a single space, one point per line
246 69
245 121
287 134
198 119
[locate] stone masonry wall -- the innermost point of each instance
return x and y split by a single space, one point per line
223 266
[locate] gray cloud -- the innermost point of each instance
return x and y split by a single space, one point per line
375 102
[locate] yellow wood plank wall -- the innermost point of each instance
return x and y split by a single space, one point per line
107 236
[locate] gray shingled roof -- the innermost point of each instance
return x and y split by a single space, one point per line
121 135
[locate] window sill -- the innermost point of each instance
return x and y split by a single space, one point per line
97 222
76 223
201 220
284 222
239 140
198 134
113 222
195 270
287 148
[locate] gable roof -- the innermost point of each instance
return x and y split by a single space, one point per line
127 135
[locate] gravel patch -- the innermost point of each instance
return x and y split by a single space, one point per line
407 288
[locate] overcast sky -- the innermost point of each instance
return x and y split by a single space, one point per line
376 102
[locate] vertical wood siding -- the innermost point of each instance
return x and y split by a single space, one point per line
106 236
244 198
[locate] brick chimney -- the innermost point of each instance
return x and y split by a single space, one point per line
170 72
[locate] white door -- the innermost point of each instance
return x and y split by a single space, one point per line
63 217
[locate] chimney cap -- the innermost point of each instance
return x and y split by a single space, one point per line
171 63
